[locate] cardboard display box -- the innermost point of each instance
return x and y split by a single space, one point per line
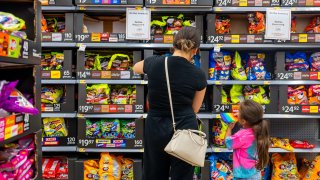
187 3
283 74
106 143
68 105
85 108
100 29
109 2
65 72
82 73
250 3
66 36
69 140
239 31
272 108
286 108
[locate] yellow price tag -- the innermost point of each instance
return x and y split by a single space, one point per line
55 74
80 115
218 82
293 9
235 39
318 75
218 9
82 149
243 3
141 150
82 81
219 45
216 150
314 109
95 37
82 8
138 8
303 38
218 116
266 82
277 8
152 8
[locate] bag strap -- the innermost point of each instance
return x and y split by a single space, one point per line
169 94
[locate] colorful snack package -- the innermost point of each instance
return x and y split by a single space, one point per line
51 94
56 61
120 94
173 24
293 24
98 94
93 130
10 23
126 169
220 166
256 23
120 62
50 168
61 25
110 129
23 170
157 26
28 175
281 143
297 95
236 94
15 162
256 69
313 169
223 24
18 103
224 97
314 94
197 173
90 61
54 127
109 167
91 170
296 62
128 129
219 65
305 165
314 61
219 132
63 170
237 70
301 144
4 44
284 167
313 26
44 26
52 24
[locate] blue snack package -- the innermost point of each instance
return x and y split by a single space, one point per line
221 166
296 61
128 129
256 69
110 128
314 61
219 65
93 129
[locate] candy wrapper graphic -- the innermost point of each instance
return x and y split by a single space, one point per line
110 129
51 94
10 23
256 23
109 167
126 169
128 129
297 95
91 170
219 132
256 93
281 143
93 130
314 94
54 127
310 170
98 94
313 26
223 24
237 71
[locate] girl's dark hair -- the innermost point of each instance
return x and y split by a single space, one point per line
186 39
252 113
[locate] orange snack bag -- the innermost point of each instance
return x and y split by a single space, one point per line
109 167
284 167
91 168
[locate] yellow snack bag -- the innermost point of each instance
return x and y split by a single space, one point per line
281 143
284 167
91 169
54 127
313 171
126 169
109 167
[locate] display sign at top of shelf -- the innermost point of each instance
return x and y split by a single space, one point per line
138 24
179 3
278 24
111 2
246 3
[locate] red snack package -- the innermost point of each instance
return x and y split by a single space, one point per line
293 25
63 170
256 23
301 144
313 26
50 168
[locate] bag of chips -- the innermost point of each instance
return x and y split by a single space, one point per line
55 127
109 167
91 170
284 167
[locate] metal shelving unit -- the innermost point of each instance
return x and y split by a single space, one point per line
59 149
64 115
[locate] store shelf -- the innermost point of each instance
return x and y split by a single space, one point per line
264 9
104 8
125 116
92 81
58 44
270 82
135 45
280 46
58 8
62 81
64 115
182 9
59 149
15 138
31 61
110 150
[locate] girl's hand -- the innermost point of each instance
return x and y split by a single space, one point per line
231 126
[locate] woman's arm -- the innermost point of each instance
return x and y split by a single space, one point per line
138 67
198 100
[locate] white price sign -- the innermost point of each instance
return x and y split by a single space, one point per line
278 24
138 24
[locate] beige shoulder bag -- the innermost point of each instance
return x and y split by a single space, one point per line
187 144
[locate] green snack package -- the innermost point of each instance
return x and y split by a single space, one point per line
110 129
54 127
263 98
14 47
224 96
51 94
104 62
9 22
98 94
236 94
119 62
93 130
128 129
237 71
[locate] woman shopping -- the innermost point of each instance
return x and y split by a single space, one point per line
188 85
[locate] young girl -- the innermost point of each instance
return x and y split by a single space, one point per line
251 144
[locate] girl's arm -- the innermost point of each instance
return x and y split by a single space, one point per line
229 130
198 99
138 67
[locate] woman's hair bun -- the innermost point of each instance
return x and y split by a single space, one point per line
186 39
185 45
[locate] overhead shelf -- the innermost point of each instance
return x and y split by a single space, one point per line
103 81
58 44
62 81
59 149
17 137
30 61
58 8
257 82
111 115
64 115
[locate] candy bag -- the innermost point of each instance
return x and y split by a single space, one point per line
157 26
256 23
55 127
63 170
284 167
220 166
9 22
174 24
98 94
51 94
296 62
224 97
262 96
236 94
44 26
109 167
52 24
313 169
219 65
28 175
314 61
126 169
91 170
297 95
50 168
15 162
128 129
90 59
256 69
223 24
313 26
219 131
301 144
237 70
314 95
93 130
119 62
281 143
293 24
305 165
110 129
